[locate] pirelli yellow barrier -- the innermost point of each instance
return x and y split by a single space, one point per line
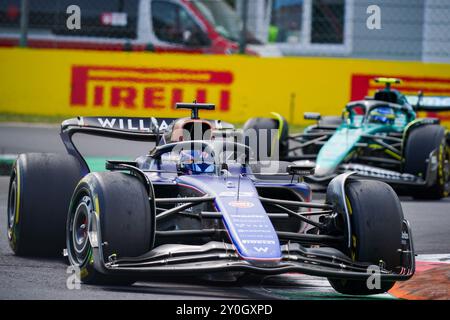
65 82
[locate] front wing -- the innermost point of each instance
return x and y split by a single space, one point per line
219 257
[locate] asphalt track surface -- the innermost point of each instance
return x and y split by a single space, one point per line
25 278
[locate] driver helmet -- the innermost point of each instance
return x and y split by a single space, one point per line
383 115
196 162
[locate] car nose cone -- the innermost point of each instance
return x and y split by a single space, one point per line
322 171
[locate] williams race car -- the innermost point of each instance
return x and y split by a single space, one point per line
202 206
377 138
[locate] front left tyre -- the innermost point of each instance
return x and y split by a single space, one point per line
126 212
40 188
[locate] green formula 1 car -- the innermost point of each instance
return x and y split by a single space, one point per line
377 138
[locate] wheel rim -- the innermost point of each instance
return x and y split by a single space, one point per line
12 208
79 227
446 170
446 165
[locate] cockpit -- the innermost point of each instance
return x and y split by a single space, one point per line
377 112
196 146
194 162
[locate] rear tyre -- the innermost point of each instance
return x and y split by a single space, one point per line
127 222
376 220
420 143
262 127
40 188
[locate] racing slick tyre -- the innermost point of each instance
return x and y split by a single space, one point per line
420 143
260 124
127 224
376 219
40 188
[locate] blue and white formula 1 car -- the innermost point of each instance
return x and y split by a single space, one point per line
201 206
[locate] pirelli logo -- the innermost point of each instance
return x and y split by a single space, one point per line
147 88
435 89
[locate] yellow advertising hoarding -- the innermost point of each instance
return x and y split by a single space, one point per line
71 82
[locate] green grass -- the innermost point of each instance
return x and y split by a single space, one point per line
293 128
96 164
14 117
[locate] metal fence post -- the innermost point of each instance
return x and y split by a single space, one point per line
243 39
292 107
24 15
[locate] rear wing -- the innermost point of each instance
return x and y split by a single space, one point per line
127 128
430 103
118 125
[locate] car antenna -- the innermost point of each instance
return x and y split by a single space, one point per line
155 123
194 114
239 184
419 99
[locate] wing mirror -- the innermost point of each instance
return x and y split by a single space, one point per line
303 169
312 116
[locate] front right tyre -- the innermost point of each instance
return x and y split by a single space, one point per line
376 219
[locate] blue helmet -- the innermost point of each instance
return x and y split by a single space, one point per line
196 162
382 115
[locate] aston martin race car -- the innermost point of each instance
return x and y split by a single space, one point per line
202 206
378 138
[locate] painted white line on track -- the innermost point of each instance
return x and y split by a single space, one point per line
30 125
443 258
